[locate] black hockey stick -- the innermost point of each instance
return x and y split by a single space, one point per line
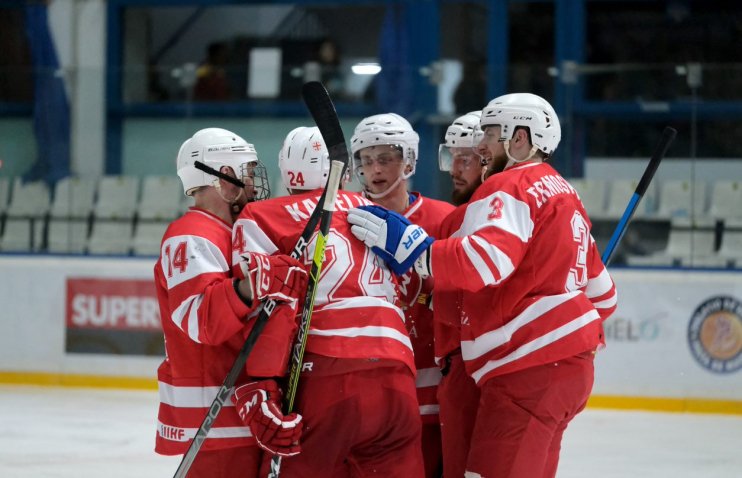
218 174
329 126
668 135
222 395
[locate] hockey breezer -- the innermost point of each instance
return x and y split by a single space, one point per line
320 106
326 119
668 135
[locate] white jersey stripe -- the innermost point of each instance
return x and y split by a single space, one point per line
415 206
499 259
607 303
478 263
189 397
189 306
538 343
364 303
599 285
472 349
429 409
428 377
170 433
367 331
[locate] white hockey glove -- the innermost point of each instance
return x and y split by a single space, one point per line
390 235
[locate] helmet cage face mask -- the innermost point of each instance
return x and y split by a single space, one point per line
257 174
303 160
527 110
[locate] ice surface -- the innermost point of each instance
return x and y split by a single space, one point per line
69 432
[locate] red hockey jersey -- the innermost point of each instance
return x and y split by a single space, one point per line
357 311
534 288
203 321
447 308
416 294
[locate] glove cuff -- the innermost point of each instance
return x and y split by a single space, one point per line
422 264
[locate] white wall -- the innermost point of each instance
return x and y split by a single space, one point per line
648 353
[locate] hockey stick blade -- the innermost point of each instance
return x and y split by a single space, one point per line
668 136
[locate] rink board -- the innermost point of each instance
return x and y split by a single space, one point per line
673 344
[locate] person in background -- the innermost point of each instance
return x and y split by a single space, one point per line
212 83
385 150
458 394
205 310
357 385
534 290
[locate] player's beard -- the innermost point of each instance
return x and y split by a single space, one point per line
496 165
459 197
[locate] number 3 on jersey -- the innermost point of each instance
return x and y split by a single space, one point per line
577 277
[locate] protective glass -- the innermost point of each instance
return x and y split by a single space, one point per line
364 159
452 158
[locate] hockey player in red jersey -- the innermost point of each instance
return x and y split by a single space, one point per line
385 150
205 311
357 387
535 292
458 394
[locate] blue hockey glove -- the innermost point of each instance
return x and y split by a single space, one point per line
390 235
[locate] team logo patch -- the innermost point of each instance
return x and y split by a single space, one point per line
715 334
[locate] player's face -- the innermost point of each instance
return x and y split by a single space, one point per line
466 172
492 150
381 165
236 197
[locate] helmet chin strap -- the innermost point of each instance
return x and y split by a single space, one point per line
231 202
511 160
385 193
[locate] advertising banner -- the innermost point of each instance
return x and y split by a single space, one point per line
112 316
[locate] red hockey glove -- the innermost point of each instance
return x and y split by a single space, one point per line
259 407
276 277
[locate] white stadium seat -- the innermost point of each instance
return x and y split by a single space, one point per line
67 235
621 191
148 237
161 197
110 237
726 200
689 241
592 194
681 198
73 198
117 197
26 214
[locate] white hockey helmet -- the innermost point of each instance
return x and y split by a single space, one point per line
217 147
389 129
462 133
524 109
303 159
